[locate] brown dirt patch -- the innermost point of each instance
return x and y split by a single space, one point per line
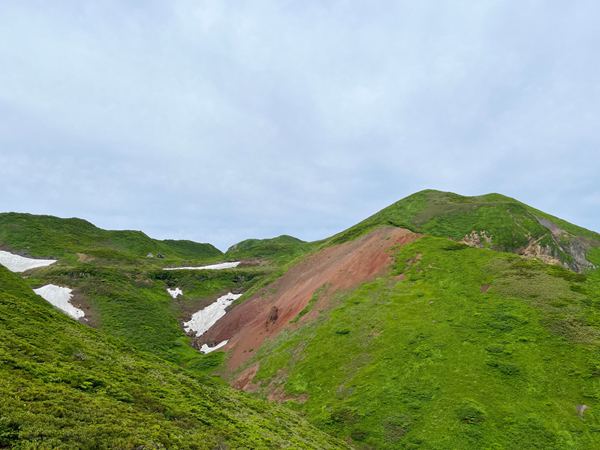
243 381
415 261
91 317
279 395
484 289
376 334
581 409
340 267
83 258
252 262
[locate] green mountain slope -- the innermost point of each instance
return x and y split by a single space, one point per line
65 385
488 221
123 292
279 250
132 302
452 346
251 243
421 358
63 238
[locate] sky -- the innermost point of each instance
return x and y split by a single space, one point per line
220 121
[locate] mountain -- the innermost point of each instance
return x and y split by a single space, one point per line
392 334
489 221
253 243
440 322
279 250
66 385
48 236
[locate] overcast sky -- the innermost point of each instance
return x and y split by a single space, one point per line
219 121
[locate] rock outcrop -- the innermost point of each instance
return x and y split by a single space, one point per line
563 249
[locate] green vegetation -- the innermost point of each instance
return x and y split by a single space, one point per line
65 385
64 238
126 292
427 361
400 214
490 221
430 362
252 243
280 250
132 303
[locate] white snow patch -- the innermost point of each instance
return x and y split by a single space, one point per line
61 298
175 292
207 317
206 349
225 265
16 263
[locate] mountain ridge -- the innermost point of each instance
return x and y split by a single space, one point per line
482 221
45 236
439 322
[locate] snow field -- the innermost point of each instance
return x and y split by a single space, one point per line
220 266
16 263
206 349
61 298
175 292
202 320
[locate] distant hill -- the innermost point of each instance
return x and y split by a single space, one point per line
280 250
52 236
252 243
488 221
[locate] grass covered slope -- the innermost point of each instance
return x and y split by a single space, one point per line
48 235
252 243
488 221
423 359
132 303
65 385
279 250
124 293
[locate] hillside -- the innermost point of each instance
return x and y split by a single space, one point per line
252 243
279 250
422 357
48 236
66 385
391 337
133 303
124 293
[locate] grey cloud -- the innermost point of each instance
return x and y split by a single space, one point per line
217 122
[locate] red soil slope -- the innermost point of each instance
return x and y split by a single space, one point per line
342 266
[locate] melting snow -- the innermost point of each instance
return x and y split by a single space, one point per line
207 317
206 349
61 298
16 263
225 265
175 292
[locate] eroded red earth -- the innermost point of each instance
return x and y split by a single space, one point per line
341 267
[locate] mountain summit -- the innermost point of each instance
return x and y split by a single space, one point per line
490 221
